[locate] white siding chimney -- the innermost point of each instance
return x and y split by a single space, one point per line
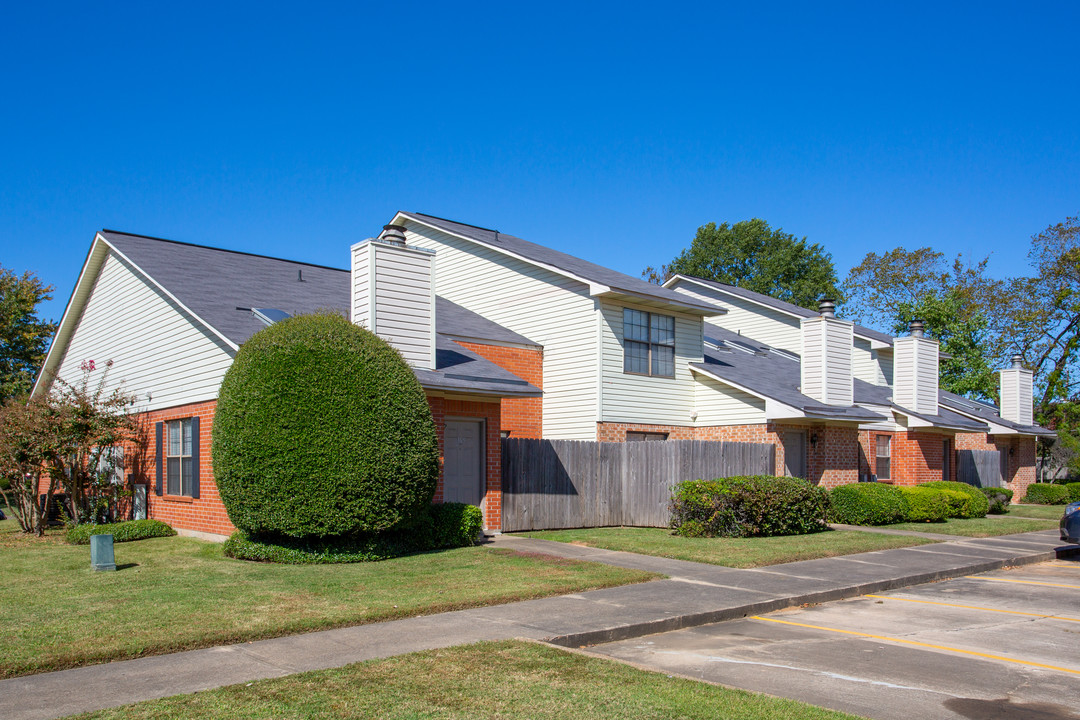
393 288
826 357
915 371
1016 393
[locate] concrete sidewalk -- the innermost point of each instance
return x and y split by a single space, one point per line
693 594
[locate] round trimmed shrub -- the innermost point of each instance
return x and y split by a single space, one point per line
748 506
1074 491
866 504
1047 494
925 504
322 430
972 504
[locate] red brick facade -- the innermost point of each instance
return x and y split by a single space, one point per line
917 456
1019 453
522 417
207 514
832 452
443 408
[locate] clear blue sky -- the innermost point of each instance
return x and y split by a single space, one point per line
611 132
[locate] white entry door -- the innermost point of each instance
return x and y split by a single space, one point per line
463 461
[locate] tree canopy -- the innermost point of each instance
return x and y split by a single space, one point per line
24 337
751 255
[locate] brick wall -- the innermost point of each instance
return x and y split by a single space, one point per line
833 460
1019 452
523 417
442 408
205 514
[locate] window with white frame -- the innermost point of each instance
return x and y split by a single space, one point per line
648 343
179 472
884 456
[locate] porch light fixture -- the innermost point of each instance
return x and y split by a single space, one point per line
813 440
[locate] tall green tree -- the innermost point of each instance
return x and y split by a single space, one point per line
953 301
751 255
24 337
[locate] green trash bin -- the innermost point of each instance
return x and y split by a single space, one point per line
101 553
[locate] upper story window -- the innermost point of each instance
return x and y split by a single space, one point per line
648 343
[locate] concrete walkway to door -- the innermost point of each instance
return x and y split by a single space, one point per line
693 594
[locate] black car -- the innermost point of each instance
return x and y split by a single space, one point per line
1070 523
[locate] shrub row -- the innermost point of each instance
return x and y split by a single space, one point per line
1047 494
880 504
1074 491
121 531
748 506
448 525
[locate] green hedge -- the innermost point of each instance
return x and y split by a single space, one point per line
447 525
748 506
121 531
1074 491
866 504
925 504
999 499
1047 494
322 430
972 504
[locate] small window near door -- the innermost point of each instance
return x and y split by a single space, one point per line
645 436
178 451
884 456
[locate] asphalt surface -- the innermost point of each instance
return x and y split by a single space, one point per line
997 645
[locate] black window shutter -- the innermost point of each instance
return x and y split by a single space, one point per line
195 457
158 429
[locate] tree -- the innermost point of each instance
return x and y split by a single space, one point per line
66 440
24 337
890 290
751 255
323 430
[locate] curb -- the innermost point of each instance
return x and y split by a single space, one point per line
680 622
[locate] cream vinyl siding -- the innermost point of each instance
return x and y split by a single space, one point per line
826 360
756 322
864 363
549 309
1016 395
404 303
885 365
361 285
648 399
156 347
916 374
720 404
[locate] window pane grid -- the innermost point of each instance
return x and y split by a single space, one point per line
648 343
179 468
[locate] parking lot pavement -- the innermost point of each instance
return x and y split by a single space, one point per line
1002 645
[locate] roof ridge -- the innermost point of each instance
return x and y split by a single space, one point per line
458 222
226 250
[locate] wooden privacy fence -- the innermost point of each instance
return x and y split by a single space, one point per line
549 484
981 468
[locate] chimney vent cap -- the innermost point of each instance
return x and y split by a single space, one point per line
827 307
915 327
1017 362
393 234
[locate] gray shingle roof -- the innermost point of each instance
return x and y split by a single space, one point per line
784 306
584 269
989 413
771 373
945 418
213 283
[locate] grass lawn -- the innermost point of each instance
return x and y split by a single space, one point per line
980 527
179 593
1046 512
486 680
730 552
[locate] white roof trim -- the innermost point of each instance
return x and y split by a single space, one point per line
73 312
995 429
